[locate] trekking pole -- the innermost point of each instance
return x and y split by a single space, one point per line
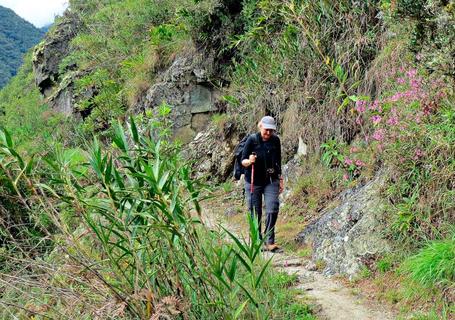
252 175
252 184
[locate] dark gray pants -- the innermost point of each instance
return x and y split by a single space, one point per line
270 192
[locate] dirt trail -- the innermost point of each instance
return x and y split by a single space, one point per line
332 298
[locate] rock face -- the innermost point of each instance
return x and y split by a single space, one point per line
214 151
185 86
50 52
62 98
344 238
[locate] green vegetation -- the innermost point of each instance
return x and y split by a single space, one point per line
119 220
121 47
288 41
110 228
433 265
17 36
24 114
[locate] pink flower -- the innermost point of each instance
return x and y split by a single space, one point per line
375 106
401 81
378 135
415 83
397 96
393 120
409 94
348 161
359 163
411 73
345 177
359 120
360 106
376 119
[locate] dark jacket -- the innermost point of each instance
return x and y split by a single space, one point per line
268 157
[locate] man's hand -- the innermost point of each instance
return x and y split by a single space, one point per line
281 184
248 162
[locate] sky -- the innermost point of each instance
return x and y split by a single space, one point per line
40 13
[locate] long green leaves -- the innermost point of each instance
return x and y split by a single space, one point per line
134 203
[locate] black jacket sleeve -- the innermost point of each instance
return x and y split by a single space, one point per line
248 149
279 155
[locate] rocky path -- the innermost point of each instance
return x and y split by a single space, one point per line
332 298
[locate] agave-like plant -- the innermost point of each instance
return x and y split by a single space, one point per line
137 206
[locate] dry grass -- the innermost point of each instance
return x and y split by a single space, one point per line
313 189
394 52
406 299
58 289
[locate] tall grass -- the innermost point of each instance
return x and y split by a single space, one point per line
127 220
433 265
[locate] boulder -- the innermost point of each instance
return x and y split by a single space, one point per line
351 234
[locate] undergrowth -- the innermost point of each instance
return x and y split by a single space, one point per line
122 241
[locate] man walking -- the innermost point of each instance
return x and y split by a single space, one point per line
262 159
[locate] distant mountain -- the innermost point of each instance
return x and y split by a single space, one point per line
16 37
46 27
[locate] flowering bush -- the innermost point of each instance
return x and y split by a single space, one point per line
353 168
384 121
413 134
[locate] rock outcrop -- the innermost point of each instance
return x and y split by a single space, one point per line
50 52
186 87
62 98
347 237
214 150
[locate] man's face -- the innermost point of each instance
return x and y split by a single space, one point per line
266 133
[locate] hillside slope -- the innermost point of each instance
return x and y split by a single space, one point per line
16 37
104 116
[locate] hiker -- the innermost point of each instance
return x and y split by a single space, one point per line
262 159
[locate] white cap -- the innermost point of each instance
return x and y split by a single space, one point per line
268 123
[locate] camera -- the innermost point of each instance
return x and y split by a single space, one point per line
270 173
